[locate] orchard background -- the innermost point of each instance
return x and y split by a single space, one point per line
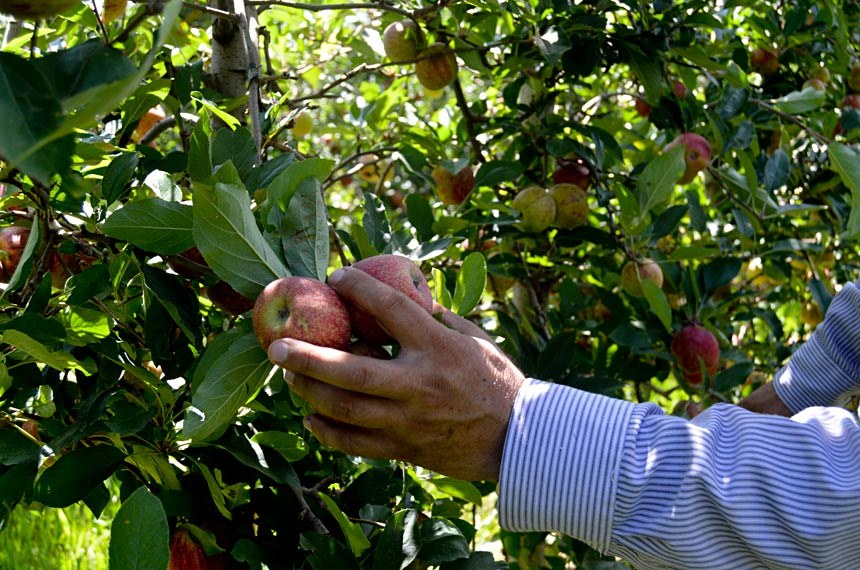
278 138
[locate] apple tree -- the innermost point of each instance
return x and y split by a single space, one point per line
651 200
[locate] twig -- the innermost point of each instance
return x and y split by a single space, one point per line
215 12
470 119
248 26
322 7
791 118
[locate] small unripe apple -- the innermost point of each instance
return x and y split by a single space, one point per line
228 299
572 170
643 109
453 188
304 309
634 272
764 61
851 100
821 73
436 66
815 83
697 154
35 9
854 77
695 347
13 240
401 40
811 314
303 123
537 208
679 89
395 271
571 205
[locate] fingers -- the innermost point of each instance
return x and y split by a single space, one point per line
347 407
349 439
455 322
351 372
401 317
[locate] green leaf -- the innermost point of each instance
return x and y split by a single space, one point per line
471 282
77 473
305 233
25 265
649 71
139 538
228 119
227 235
495 172
56 359
289 445
458 489
803 101
658 302
399 542
180 303
238 147
153 224
358 543
16 448
441 293
420 215
282 188
231 381
118 175
442 541
845 161
657 182
375 223
200 151
777 170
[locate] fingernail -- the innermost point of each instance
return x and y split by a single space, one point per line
289 378
306 421
278 351
335 277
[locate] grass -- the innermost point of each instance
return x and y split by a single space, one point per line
56 539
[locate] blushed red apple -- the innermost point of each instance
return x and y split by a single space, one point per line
395 271
694 348
572 170
436 66
13 239
301 308
401 40
635 272
697 154
187 554
764 61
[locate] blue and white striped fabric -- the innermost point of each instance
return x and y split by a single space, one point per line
729 490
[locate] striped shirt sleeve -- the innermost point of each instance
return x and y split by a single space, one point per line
825 371
731 489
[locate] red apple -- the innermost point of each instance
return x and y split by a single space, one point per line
13 239
695 347
852 100
186 554
537 207
301 308
228 299
436 66
395 271
453 188
571 205
189 264
401 40
679 89
764 61
697 155
572 170
643 109
634 272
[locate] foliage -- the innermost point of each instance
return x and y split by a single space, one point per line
120 363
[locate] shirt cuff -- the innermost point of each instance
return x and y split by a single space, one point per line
825 370
561 460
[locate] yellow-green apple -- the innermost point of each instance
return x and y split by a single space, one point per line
643 109
764 61
395 271
303 123
635 272
436 66
697 154
854 77
572 170
571 205
695 348
453 188
187 554
35 9
13 239
301 308
815 83
537 208
401 40
228 299
821 73
811 314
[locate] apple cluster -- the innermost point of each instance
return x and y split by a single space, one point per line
311 311
564 205
435 65
13 240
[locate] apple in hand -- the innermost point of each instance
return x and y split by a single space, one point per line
13 239
537 207
400 40
395 271
695 347
301 308
764 61
453 188
436 66
697 154
571 205
634 272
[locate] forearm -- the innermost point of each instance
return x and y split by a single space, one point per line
730 490
826 370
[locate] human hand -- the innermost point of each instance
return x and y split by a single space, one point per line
443 403
765 401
